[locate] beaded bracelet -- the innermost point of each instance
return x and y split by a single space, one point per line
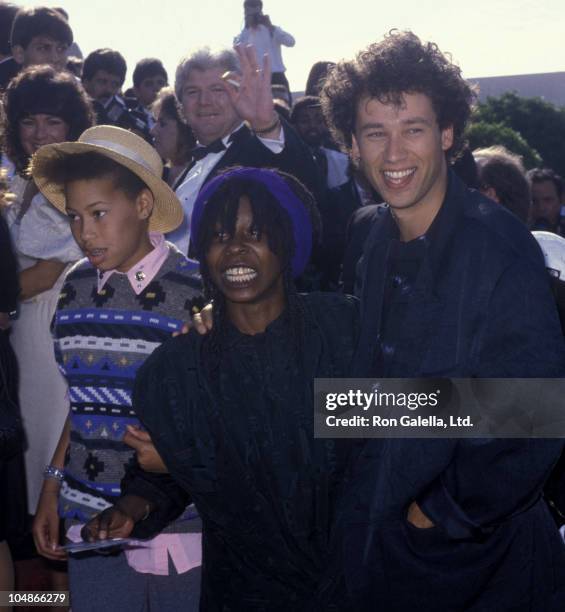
53 472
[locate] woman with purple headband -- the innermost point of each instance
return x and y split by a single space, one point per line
231 413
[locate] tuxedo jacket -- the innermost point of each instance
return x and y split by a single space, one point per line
295 158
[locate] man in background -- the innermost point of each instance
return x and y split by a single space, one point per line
547 192
103 74
149 77
39 35
228 103
309 122
266 38
502 178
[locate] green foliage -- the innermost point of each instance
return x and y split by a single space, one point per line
481 134
541 124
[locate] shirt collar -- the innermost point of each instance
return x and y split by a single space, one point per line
365 195
277 331
227 140
439 236
145 270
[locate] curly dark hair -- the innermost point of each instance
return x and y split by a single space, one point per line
386 70
42 90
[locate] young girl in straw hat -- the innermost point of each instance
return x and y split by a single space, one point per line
129 293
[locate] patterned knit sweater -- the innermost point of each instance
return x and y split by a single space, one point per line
101 339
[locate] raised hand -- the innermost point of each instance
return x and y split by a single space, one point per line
253 98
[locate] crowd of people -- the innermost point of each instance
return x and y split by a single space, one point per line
179 263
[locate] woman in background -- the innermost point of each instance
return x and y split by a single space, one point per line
41 107
172 137
11 438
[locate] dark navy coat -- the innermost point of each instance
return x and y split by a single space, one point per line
479 306
240 443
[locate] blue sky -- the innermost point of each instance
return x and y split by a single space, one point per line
486 38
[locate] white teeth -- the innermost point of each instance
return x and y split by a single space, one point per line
240 274
396 175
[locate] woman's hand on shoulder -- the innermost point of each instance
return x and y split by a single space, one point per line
147 455
202 321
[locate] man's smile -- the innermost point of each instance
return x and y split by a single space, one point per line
395 179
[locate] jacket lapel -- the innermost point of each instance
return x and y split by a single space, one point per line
233 155
372 269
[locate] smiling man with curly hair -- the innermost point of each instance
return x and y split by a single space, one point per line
451 285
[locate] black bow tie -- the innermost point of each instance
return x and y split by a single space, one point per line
217 146
201 151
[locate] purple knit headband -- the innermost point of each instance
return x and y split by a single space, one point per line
288 200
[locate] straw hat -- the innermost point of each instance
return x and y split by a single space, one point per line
126 149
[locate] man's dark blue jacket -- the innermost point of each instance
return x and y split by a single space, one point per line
480 306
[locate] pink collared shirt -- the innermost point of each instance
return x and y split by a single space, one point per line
144 271
152 556
184 549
